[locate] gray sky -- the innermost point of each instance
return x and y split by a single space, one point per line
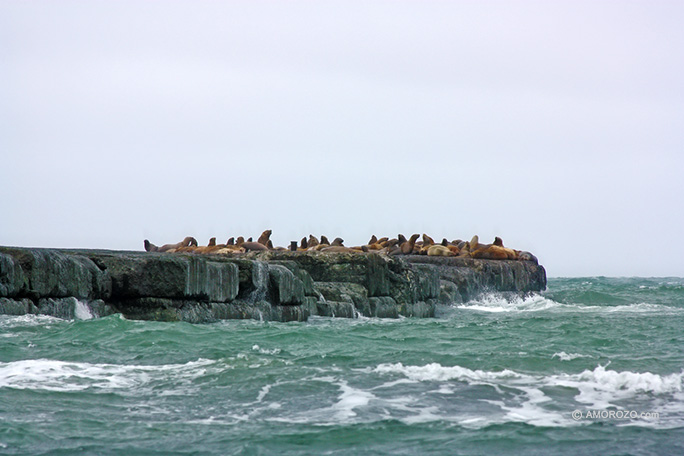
555 125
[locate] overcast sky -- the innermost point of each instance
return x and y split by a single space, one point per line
557 125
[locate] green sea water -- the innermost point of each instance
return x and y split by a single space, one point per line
591 366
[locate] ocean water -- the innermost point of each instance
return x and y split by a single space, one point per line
591 366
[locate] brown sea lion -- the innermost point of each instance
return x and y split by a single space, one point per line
372 240
439 250
227 249
407 247
253 246
427 240
264 238
339 249
269 244
338 242
303 244
149 247
490 252
401 239
231 241
209 248
313 241
324 240
188 241
240 240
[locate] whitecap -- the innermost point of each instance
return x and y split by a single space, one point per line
568 356
437 372
265 351
349 400
524 398
496 303
54 375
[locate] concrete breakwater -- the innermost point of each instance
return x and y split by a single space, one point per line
269 285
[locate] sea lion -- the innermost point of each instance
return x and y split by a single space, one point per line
427 240
324 240
407 247
438 250
209 248
269 244
231 241
264 238
253 246
149 247
372 240
240 240
303 244
338 242
227 250
339 249
313 241
498 241
490 252
527 256
188 241
401 239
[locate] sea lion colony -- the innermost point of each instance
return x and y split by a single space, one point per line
415 245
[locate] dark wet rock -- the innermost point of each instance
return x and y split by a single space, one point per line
270 285
286 288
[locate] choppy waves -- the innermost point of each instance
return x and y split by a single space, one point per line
540 399
496 303
62 376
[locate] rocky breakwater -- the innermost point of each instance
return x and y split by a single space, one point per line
268 285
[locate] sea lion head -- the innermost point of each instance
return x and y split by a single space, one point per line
303 244
189 241
149 247
338 242
498 241
212 242
427 240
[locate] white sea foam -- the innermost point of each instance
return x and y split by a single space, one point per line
602 387
524 397
437 372
265 351
12 321
82 311
496 303
349 400
53 375
568 356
